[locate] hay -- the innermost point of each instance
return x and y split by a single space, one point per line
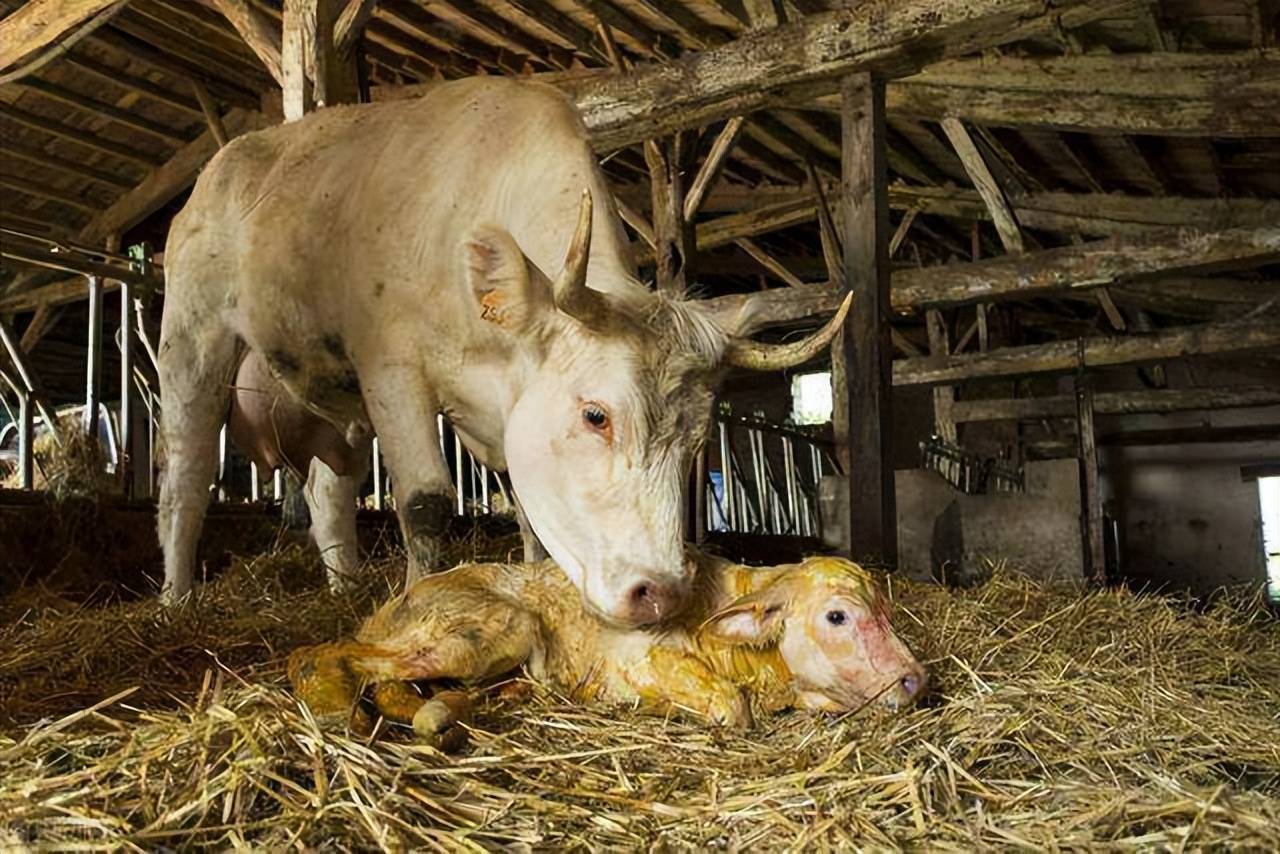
1058 721
76 468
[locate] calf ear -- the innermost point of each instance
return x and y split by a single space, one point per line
509 290
755 619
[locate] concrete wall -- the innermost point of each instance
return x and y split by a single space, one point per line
1186 518
943 531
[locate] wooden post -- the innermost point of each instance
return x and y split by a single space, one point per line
1095 559
944 396
674 246
866 340
315 75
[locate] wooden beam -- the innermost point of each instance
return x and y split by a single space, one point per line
1142 401
764 259
944 397
211 115
1109 214
45 318
865 339
1095 554
1188 435
59 164
1096 352
124 118
40 23
674 248
711 167
1069 270
52 194
79 137
60 292
803 58
258 32
167 181
986 185
350 26
314 75
1088 265
1170 94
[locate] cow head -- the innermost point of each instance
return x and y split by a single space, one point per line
618 400
830 622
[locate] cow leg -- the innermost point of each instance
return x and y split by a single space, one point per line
533 550
403 411
331 498
196 366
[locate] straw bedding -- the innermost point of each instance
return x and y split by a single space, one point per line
1056 720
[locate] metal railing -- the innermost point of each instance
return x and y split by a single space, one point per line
762 478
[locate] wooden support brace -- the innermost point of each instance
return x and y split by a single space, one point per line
211 115
1090 487
865 390
712 166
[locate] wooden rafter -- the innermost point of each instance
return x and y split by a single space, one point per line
40 23
1097 352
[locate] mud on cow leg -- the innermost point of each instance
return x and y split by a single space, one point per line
424 519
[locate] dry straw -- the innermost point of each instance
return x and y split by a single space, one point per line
1058 720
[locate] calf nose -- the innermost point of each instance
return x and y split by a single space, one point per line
912 684
650 601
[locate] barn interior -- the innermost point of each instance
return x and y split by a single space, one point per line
1052 416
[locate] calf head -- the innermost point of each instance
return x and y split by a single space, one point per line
830 622
617 401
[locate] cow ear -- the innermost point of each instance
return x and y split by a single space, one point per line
755 619
509 290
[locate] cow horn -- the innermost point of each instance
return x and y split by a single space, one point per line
745 353
570 289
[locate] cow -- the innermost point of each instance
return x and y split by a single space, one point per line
275 431
456 254
812 635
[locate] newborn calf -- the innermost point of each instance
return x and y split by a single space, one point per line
811 635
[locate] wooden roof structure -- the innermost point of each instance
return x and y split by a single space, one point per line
1045 156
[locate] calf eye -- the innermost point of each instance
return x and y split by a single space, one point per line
836 618
595 417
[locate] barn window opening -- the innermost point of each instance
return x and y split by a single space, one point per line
1269 497
811 398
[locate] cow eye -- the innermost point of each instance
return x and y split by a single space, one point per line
836 618
595 417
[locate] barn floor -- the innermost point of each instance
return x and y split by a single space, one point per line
1055 721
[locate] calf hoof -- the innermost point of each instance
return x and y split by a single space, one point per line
732 712
437 715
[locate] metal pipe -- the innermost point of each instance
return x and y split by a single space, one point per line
222 463
26 455
277 485
726 475
484 489
93 362
789 472
255 488
757 470
377 475
459 483
126 389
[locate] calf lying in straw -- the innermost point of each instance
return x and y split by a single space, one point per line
812 635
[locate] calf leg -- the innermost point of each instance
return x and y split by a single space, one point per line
196 363
403 411
331 498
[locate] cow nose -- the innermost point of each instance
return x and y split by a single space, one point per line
650 601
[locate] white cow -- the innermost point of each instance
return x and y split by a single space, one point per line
393 261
